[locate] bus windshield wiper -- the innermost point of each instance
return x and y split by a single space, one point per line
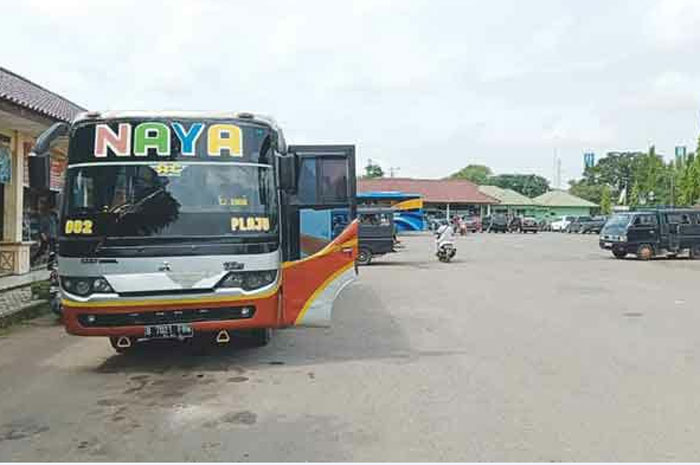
128 208
124 210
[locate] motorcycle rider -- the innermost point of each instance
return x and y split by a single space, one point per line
445 235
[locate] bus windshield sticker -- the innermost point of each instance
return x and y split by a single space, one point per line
168 169
233 201
251 223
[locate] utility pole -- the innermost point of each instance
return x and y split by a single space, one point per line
392 169
558 173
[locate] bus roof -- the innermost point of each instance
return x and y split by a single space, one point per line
86 115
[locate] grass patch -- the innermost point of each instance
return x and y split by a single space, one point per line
31 311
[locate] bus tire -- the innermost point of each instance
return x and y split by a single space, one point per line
619 254
645 252
260 337
364 256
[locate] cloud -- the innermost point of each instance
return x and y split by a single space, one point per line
427 86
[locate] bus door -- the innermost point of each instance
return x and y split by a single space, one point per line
319 240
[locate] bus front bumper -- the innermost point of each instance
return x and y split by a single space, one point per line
127 319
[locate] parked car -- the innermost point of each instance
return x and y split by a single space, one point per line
561 223
495 223
595 225
529 224
575 225
545 225
650 233
473 223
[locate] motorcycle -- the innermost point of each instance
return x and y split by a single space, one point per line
446 252
54 286
446 249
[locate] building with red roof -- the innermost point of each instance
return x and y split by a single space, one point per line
445 196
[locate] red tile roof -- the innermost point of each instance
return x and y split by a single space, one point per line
25 93
432 190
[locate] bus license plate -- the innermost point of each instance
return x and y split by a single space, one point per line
173 331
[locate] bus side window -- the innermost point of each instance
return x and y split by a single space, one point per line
685 219
334 180
307 181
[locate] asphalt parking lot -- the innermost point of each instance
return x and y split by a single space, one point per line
527 347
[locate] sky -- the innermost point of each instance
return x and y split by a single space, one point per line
421 87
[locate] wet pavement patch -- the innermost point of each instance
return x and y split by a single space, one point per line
108 402
245 417
237 379
633 314
20 430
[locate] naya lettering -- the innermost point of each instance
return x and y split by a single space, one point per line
222 139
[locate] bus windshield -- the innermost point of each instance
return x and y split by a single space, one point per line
172 199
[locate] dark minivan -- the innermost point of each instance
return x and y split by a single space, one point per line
376 235
650 233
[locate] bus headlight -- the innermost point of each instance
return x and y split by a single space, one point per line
249 280
83 286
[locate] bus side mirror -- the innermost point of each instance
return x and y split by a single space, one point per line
43 143
287 171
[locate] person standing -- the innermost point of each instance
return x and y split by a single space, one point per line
48 230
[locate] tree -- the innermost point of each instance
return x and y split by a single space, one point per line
373 170
530 185
687 179
586 190
478 174
614 170
605 201
652 177
633 199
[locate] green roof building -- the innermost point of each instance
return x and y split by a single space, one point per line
510 202
557 203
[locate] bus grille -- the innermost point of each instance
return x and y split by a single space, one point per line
98 320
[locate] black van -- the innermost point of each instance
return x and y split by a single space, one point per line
650 233
376 233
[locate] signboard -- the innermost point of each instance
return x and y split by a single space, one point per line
589 159
137 140
680 153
